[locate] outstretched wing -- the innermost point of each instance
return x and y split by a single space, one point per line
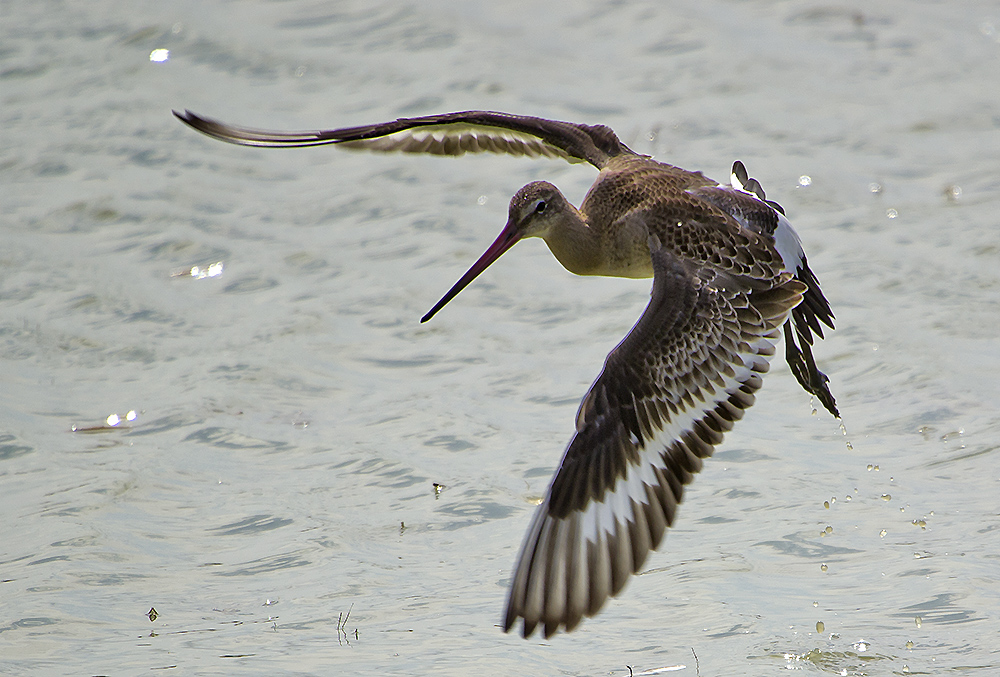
745 201
679 380
445 134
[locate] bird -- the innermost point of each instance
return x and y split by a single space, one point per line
729 278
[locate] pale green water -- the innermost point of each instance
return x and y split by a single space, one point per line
292 414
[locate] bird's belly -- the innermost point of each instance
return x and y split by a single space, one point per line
635 269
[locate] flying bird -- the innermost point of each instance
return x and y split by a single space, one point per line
729 276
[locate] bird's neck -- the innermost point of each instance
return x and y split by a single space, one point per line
575 244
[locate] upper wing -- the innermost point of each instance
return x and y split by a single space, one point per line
445 134
675 384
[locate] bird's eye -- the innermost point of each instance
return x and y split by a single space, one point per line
540 206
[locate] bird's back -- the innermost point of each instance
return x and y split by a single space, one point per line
635 196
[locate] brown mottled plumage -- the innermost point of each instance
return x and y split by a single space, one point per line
728 273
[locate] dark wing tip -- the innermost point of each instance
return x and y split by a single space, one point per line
207 126
800 360
753 186
194 120
740 172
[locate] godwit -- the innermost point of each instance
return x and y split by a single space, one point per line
728 273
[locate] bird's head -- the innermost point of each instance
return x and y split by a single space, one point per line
533 211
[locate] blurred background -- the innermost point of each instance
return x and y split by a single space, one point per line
216 400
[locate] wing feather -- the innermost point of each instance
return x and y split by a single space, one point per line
445 134
667 394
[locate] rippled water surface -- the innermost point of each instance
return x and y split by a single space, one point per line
312 482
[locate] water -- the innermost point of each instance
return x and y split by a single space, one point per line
274 497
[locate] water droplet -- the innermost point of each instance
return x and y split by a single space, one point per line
805 180
833 500
823 567
826 504
919 621
875 188
952 193
114 420
886 497
909 644
891 213
131 415
906 668
861 646
870 467
847 498
820 627
815 604
850 447
829 530
482 200
882 533
159 55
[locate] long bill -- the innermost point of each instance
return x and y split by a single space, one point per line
508 237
